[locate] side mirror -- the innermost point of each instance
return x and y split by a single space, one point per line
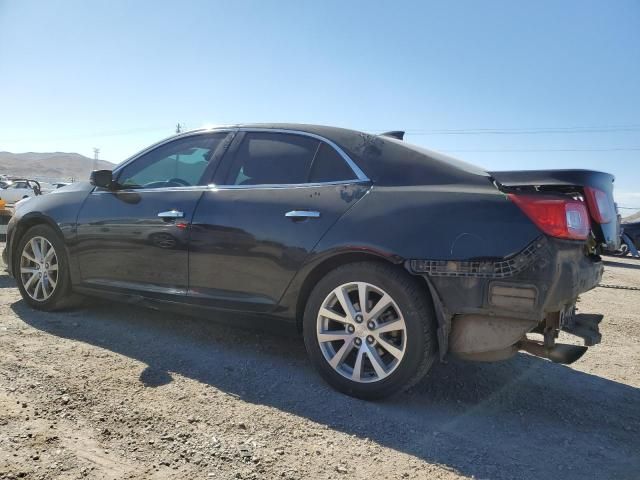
102 178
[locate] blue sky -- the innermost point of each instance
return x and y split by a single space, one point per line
559 81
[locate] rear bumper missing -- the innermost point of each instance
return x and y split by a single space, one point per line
487 307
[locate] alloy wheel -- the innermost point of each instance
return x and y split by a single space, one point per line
39 269
361 332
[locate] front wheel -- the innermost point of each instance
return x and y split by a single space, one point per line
369 330
41 269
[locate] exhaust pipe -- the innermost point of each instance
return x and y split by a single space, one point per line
558 353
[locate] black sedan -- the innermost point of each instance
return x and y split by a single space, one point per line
384 255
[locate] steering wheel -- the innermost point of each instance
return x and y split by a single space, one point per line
179 181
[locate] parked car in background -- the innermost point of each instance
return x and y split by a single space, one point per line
5 216
5 183
630 239
384 255
46 187
19 189
633 231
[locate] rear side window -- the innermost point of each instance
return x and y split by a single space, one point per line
272 158
329 166
285 159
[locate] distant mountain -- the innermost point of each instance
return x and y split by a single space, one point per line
55 165
632 218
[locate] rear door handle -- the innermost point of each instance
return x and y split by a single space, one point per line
302 214
171 214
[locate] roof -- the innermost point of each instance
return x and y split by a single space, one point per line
386 160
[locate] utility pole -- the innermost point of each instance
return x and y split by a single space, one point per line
96 157
179 128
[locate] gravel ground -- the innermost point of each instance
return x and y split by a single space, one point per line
114 391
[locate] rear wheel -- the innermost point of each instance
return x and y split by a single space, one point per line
369 330
42 269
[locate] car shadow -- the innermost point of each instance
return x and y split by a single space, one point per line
612 263
514 419
7 282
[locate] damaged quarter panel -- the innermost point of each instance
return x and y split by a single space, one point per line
437 222
442 223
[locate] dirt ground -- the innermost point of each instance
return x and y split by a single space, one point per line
115 391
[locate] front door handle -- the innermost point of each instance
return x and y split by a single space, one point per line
171 214
294 214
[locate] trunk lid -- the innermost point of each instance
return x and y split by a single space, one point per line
566 182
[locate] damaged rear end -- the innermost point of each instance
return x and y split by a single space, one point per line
533 291
594 189
590 227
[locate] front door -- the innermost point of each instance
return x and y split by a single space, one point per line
136 237
277 194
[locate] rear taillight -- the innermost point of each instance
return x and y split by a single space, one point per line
602 210
558 217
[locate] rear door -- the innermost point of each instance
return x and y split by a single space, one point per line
276 195
136 238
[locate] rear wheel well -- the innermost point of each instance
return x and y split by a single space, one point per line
332 263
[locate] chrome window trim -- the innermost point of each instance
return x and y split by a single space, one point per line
361 177
212 187
191 188
267 186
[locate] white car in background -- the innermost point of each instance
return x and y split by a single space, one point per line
46 187
20 189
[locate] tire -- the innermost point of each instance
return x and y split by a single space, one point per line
386 361
59 296
623 252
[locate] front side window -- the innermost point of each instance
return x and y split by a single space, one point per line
180 163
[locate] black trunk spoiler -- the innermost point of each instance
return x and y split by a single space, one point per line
565 180
557 178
